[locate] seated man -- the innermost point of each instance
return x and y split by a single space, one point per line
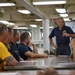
24 50
5 57
14 36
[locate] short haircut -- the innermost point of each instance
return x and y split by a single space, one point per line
24 36
10 30
3 28
59 18
15 32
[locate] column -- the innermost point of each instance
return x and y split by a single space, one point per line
46 44
36 33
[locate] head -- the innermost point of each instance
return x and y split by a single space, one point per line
16 36
60 22
47 71
3 33
25 37
10 34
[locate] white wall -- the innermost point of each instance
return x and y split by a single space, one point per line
71 24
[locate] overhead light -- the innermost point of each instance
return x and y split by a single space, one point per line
66 19
21 27
38 19
33 25
49 27
24 11
61 10
49 2
6 4
63 15
4 22
10 23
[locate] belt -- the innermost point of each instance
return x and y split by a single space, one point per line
63 45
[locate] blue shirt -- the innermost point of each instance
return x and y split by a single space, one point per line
60 39
23 49
14 51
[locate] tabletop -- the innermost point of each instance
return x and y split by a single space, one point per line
58 63
60 72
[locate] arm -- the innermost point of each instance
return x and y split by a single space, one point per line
21 59
52 34
69 35
35 50
11 61
72 35
51 40
35 55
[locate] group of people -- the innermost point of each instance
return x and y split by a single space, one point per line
11 52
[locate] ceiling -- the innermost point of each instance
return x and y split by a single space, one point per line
37 12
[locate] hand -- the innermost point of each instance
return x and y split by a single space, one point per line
55 46
48 71
45 55
66 34
31 44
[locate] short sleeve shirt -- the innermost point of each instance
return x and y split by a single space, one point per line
60 39
3 53
23 49
14 51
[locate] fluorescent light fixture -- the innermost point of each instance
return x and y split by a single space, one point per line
49 2
33 25
21 28
10 23
24 11
49 27
66 19
4 22
63 15
6 4
61 10
38 19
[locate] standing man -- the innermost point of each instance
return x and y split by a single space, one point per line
63 34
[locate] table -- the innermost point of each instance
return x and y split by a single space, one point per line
64 63
60 72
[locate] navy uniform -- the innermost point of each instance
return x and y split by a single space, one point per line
14 51
62 41
23 49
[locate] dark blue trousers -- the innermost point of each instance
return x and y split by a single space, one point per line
63 50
